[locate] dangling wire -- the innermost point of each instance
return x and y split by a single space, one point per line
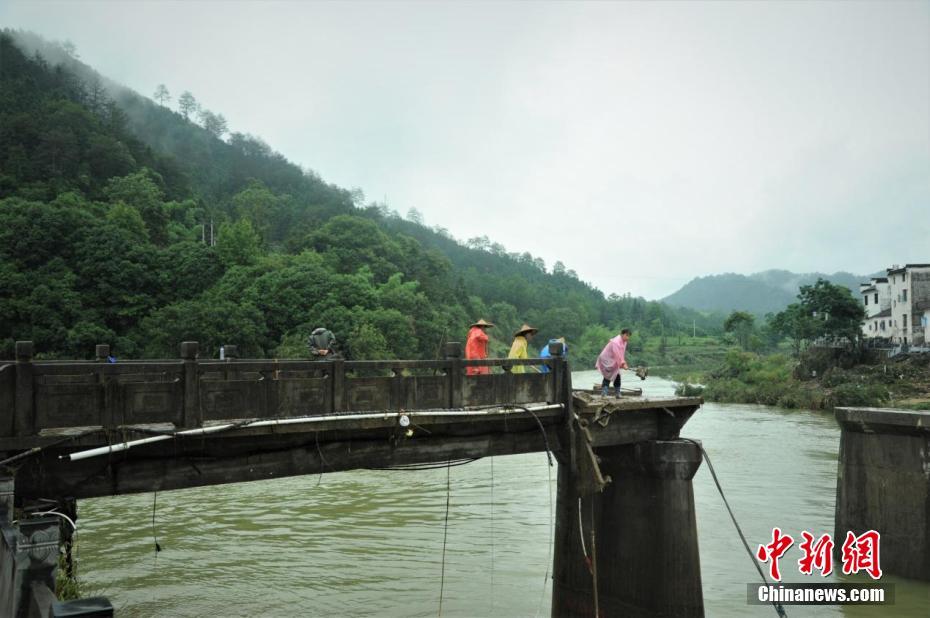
584 550
154 534
57 514
545 436
323 462
597 606
541 428
155 537
445 534
492 535
589 560
542 595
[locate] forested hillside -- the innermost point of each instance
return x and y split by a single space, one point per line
108 202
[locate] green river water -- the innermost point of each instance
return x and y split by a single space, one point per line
369 543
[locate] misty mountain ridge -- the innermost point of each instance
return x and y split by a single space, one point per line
759 293
158 230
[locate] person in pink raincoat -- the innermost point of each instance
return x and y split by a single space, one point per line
611 360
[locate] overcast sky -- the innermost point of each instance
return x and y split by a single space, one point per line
640 144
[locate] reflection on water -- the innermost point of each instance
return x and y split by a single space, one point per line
369 543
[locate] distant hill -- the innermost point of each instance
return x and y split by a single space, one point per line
759 293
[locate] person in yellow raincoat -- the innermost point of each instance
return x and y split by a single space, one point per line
519 347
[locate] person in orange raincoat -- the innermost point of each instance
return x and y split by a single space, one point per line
476 346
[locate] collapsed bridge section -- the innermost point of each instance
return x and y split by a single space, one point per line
626 539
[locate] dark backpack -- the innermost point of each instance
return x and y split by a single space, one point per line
322 339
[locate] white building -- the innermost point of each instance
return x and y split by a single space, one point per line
876 298
909 287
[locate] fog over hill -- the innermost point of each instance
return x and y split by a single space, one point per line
131 223
601 110
759 293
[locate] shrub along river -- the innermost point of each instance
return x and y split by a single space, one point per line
369 543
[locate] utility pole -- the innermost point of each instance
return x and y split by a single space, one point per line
693 328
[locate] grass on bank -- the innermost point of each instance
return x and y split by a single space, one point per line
819 380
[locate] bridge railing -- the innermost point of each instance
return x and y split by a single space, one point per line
188 392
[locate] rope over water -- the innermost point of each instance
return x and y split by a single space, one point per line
542 594
445 534
779 609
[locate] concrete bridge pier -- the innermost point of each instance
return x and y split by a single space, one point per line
883 484
640 535
29 559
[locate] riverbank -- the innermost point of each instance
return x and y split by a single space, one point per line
814 382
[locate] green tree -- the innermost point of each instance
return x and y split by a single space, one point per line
108 157
192 267
367 343
561 322
796 323
71 49
740 323
237 244
398 331
96 95
161 94
260 206
117 276
215 124
590 344
504 316
212 322
141 191
823 310
838 315
349 243
415 216
187 104
128 218
84 336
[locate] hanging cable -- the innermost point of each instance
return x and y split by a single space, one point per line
319 451
584 550
492 535
154 534
545 436
541 428
542 595
779 609
445 534
597 607
57 514
69 545
452 463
